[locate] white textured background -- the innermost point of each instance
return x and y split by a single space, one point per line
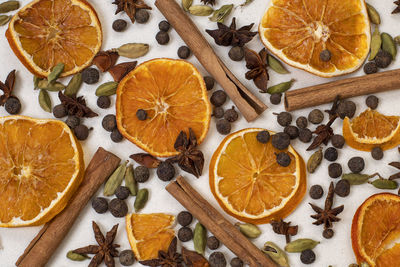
336 251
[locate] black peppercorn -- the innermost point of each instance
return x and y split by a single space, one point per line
325 55
142 16
185 234
328 233
337 141
283 159
263 137
165 171
183 52
185 218
209 81
346 109
316 191
141 174
275 99
218 112
370 68
292 131
302 122
118 208
72 121
331 154
122 192
109 122
223 126
103 102
100 205
383 59
217 259
212 243
307 256
119 25
164 26
81 132
116 136
236 53
231 115
141 114
377 153
284 118
236 262
334 170
305 135
126 257
59 111
218 98
280 141
342 188
356 164
162 38
90 75
12 105
316 116
372 102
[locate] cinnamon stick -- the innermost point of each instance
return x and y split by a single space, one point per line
350 87
51 235
207 215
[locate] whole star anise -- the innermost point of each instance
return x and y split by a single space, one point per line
397 9
257 65
105 250
284 228
328 215
171 258
190 159
7 87
76 106
130 7
227 36
208 2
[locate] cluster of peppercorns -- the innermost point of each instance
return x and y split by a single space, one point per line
117 206
162 37
109 124
382 60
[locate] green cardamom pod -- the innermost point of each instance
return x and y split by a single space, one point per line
276 254
200 238
55 72
130 181
376 42
76 257
220 14
9 6
107 89
133 50
388 44
74 85
249 230
186 4
384 184
281 87
200 10
44 100
36 81
364 264
276 65
314 161
54 87
356 178
115 180
397 40
300 245
373 15
4 19
141 199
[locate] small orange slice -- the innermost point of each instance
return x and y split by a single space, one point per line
249 184
47 32
298 30
173 94
149 233
375 229
41 166
371 129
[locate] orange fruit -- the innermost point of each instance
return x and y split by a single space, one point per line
249 184
47 32
375 228
173 94
298 30
41 166
371 129
149 233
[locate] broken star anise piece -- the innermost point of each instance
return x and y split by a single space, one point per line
324 134
169 258
76 106
395 164
190 159
227 36
7 87
119 71
208 2
105 250
283 228
193 259
257 65
104 60
328 215
130 7
397 9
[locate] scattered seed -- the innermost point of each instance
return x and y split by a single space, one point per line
292 131
118 208
281 87
185 234
337 141
44 100
199 238
236 53
9 6
331 154
370 68
12 105
142 16
276 254
165 171
314 161
59 111
302 122
346 108
184 52
372 102
81 132
283 159
328 233
109 122
126 257
141 199
388 44
316 116
307 256
212 243
383 59
122 192
90 75
305 135
384 184
220 14
107 89
236 262
276 65
376 42
73 121
74 85
184 218
377 153
223 126
116 136
217 259
162 38
218 112
141 114
325 55
142 174
218 98
133 50
284 118
249 230
115 180
275 98
342 188
200 10
100 205
356 164
130 181
103 102
356 178
373 15
186 4
76 257
300 245
4 19
209 81
231 115
334 170
164 26
119 25
263 137
55 72
280 141
316 191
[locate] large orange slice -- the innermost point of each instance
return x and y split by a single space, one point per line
298 30
249 184
376 229
41 166
371 129
47 32
173 94
149 233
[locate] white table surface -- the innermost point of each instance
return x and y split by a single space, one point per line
336 251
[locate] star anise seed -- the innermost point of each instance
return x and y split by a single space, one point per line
130 7
169 258
76 106
7 87
257 65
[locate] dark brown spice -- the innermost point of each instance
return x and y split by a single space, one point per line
397 9
146 160
119 25
316 191
284 228
162 38
119 71
103 102
13 105
217 259
208 2
334 108
118 208
76 106
81 132
185 234
328 233
185 218
193 259
212 243
324 134
130 7
169 258
104 60
7 87
116 136
395 164
257 65
142 174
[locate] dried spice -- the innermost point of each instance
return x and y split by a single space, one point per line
190 159
44 100
7 87
249 230
388 44
53 87
200 238
220 14
357 178
185 234
76 257
300 245
284 228
186 4
384 184
9 6
314 161
74 85
133 50
193 259
107 89
395 164
200 10
373 15
307 256
119 71
119 25
257 65
169 258
324 134
76 106
292 131
213 243
105 250
328 215
184 218
130 181
316 191
130 7
276 254
280 87
376 42
115 180
4 19
104 60
227 36
276 65
208 2
146 160
141 199
397 9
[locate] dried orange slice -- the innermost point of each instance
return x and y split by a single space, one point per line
41 166
371 129
173 94
47 32
149 233
375 229
249 184
298 30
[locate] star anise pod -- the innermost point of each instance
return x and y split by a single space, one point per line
130 7
7 87
227 36
395 164
190 159
119 71
283 228
397 9
169 258
104 60
208 2
257 65
333 111
105 250
328 215
76 106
